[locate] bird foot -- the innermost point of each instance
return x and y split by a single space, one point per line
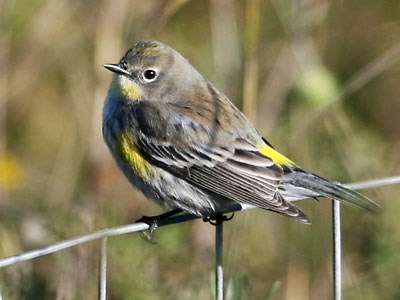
154 222
218 219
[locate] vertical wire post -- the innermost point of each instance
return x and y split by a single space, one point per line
337 251
102 294
219 269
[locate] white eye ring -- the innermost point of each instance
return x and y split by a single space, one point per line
150 75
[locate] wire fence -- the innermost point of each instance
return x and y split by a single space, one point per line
104 234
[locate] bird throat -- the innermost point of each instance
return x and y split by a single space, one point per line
127 87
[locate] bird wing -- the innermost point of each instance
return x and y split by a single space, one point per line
237 171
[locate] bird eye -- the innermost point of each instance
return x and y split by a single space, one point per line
150 75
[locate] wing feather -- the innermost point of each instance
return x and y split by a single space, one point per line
239 173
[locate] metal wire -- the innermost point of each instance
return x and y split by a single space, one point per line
141 226
337 251
103 270
367 184
72 242
219 269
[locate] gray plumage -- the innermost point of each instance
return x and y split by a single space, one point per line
185 145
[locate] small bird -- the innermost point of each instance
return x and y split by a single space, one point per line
183 144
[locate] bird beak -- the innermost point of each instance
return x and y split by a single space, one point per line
116 69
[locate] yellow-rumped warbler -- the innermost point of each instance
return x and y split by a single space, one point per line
185 145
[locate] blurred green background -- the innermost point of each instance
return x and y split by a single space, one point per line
320 79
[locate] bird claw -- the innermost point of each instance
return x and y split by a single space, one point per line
148 234
218 219
154 223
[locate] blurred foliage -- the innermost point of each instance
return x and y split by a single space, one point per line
10 172
319 78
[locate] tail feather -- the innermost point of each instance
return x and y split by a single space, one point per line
298 183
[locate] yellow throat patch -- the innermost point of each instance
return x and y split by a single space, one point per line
127 87
274 155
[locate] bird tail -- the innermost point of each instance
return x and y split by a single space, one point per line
298 184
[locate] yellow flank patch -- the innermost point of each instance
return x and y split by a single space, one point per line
131 154
127 87
274 155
